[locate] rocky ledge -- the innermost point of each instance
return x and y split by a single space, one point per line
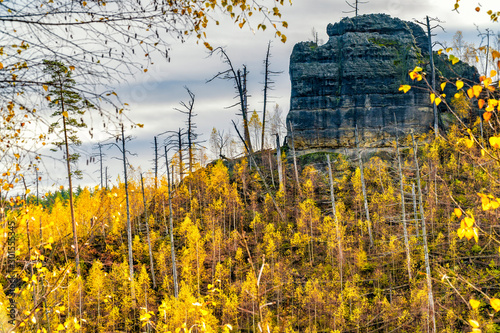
353 80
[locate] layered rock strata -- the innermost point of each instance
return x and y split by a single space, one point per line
353 80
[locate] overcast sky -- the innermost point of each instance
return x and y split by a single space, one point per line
152 96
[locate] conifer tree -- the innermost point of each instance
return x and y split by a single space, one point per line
67 105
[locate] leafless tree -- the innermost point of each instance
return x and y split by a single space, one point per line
268 85
239 77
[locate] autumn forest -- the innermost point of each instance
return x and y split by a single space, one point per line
262 239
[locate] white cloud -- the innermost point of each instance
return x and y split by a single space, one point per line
153 95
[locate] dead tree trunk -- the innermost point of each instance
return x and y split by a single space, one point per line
179 152
363 187
433 77
156 163
424 234
278 159
191 135
129 226
294 158
337 226
171 225
240 80
415 211
151 262
403 211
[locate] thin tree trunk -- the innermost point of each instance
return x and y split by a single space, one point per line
415 212
433 78
363 187
266 87
295 159
100 164
72 209
271 168
242 90
156 163
181 168
424 234
151 262
171 218
71 201
129 226
278 159
403 211
337 226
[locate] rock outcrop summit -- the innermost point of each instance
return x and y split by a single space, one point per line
353 80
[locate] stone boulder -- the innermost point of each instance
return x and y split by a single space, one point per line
353 80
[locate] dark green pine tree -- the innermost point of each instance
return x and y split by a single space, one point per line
69 107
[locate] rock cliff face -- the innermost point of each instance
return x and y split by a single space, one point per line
353 80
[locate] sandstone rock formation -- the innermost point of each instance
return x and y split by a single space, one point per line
353 80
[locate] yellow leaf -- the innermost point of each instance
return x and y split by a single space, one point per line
470 93
440 51
45 87
469 233
458 212
140 125
417 69
487 116
493 73
65 114
460 84
487 81
84 3
60 327
433 97
448 49
51 240
469 221
443 85
473 323
477 90
480 103
495 304
495 142
474 304
454 60
72 68
1 65
438 101
404 88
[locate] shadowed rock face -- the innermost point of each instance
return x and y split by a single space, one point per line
353 80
